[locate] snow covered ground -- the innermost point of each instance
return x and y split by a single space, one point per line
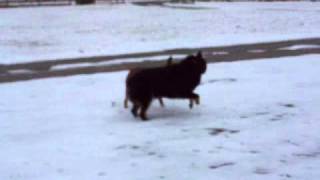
45 33
256 120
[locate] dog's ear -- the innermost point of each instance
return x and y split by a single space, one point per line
169 61
199 54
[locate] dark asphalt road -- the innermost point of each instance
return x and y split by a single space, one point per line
43 69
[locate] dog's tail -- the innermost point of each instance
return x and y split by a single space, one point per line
126 99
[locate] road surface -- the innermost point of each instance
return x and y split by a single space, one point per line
44 69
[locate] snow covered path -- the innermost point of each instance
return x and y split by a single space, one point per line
257 120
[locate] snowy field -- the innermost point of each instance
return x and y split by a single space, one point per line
29 34
256 120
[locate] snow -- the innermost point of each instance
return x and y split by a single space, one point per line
49 33
299 47
125 60
256 120
256 51
20 71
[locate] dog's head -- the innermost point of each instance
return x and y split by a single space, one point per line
170 61
196 63
200 62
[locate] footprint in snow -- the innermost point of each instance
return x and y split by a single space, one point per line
261 171
287 105
217 131
220 165
225 80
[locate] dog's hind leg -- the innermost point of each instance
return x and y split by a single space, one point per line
125 102
161 102
144 108
126 99
135 109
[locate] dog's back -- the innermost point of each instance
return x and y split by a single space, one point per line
167 81
174 81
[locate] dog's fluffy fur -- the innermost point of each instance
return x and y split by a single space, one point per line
131 74
174 81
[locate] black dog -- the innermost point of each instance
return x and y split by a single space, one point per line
174 81
134 71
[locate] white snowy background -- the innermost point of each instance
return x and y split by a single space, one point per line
29 34
77 128
257 119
